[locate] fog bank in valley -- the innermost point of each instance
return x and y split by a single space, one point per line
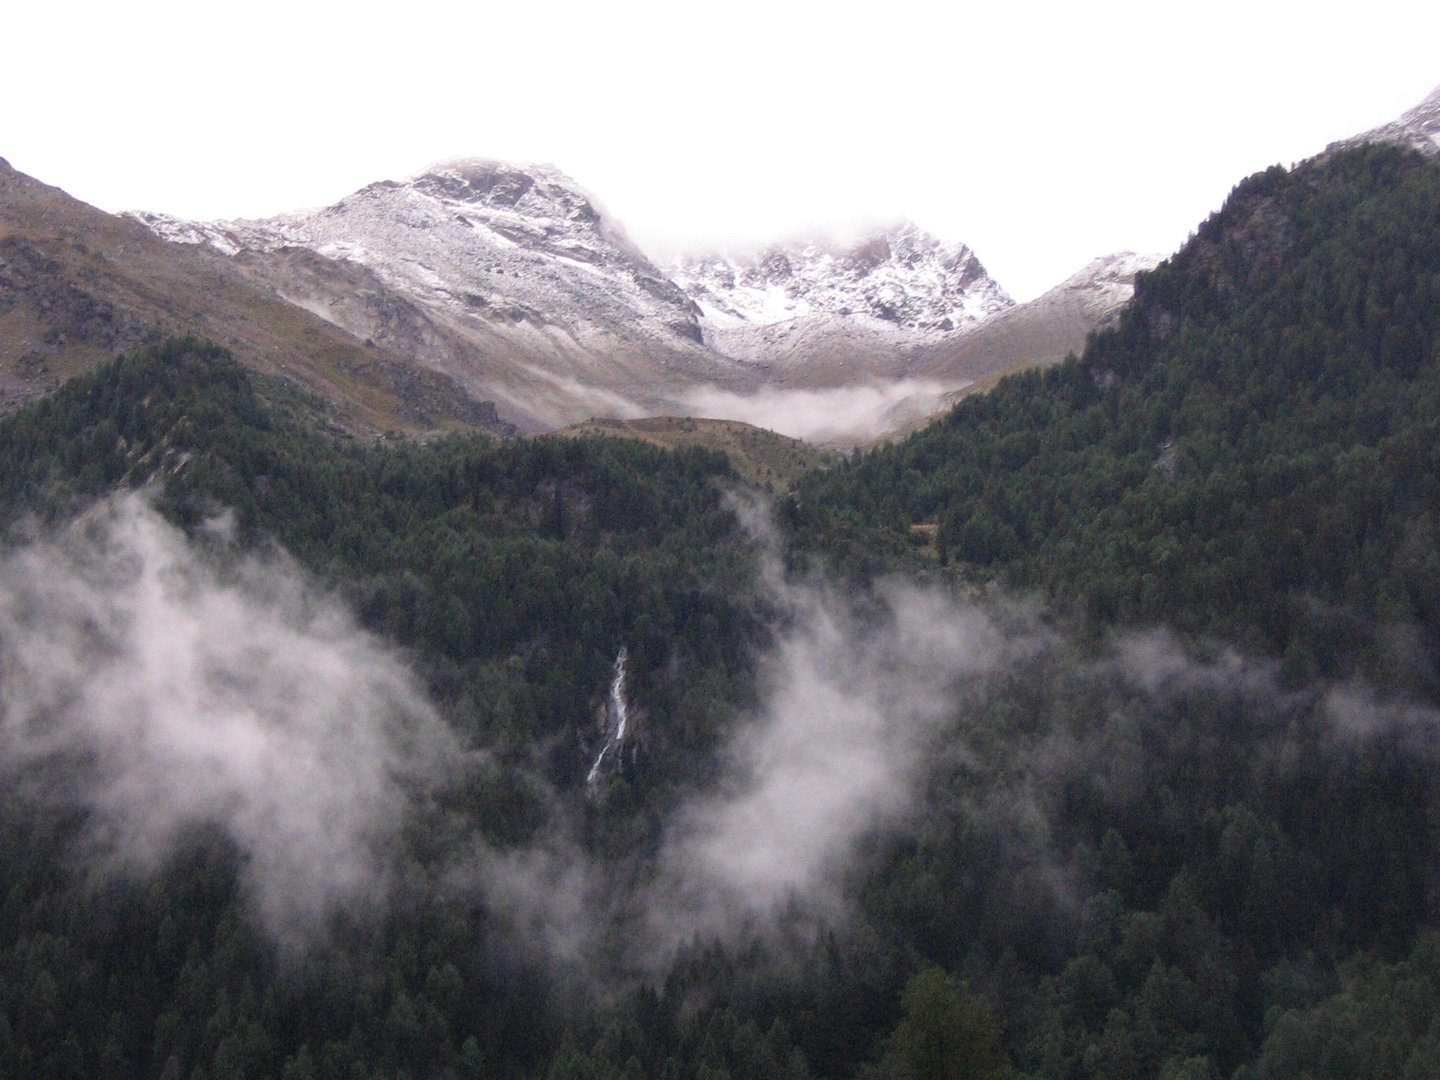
829 416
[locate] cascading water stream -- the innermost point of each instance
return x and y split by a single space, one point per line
617 713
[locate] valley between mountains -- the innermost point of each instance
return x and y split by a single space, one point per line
483 294
415 664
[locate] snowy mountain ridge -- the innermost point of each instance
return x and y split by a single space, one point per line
512 281
903 276
1104 285
454 231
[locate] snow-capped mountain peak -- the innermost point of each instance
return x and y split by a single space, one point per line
460 229
500 184
534 204
509 278
514 281
902 276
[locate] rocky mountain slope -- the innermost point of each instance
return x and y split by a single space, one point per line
1033 334
477 285
77 285
1417 128
808 312
512 281
1043 330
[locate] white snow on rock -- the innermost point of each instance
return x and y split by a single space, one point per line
1104 285
474 235
513 281
903 277
528 294
1419 128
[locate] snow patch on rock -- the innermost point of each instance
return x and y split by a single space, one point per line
1418 128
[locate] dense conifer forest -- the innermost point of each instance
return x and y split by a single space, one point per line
1162 622
1252 454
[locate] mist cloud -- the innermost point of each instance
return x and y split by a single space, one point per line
866 701
164 688
838 416
851 702
162 692
855 692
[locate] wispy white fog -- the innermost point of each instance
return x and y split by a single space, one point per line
833 416
162 688
851 704
854 695
162 694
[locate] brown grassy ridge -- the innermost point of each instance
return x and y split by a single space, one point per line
78 285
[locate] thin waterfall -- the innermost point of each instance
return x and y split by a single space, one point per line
617 715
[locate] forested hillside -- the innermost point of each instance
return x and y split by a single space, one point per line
1089 733
1254 453
511 573
1251 459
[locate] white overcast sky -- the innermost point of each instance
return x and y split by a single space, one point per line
1042 134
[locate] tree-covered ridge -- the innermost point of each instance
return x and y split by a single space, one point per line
1251 453
551 551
